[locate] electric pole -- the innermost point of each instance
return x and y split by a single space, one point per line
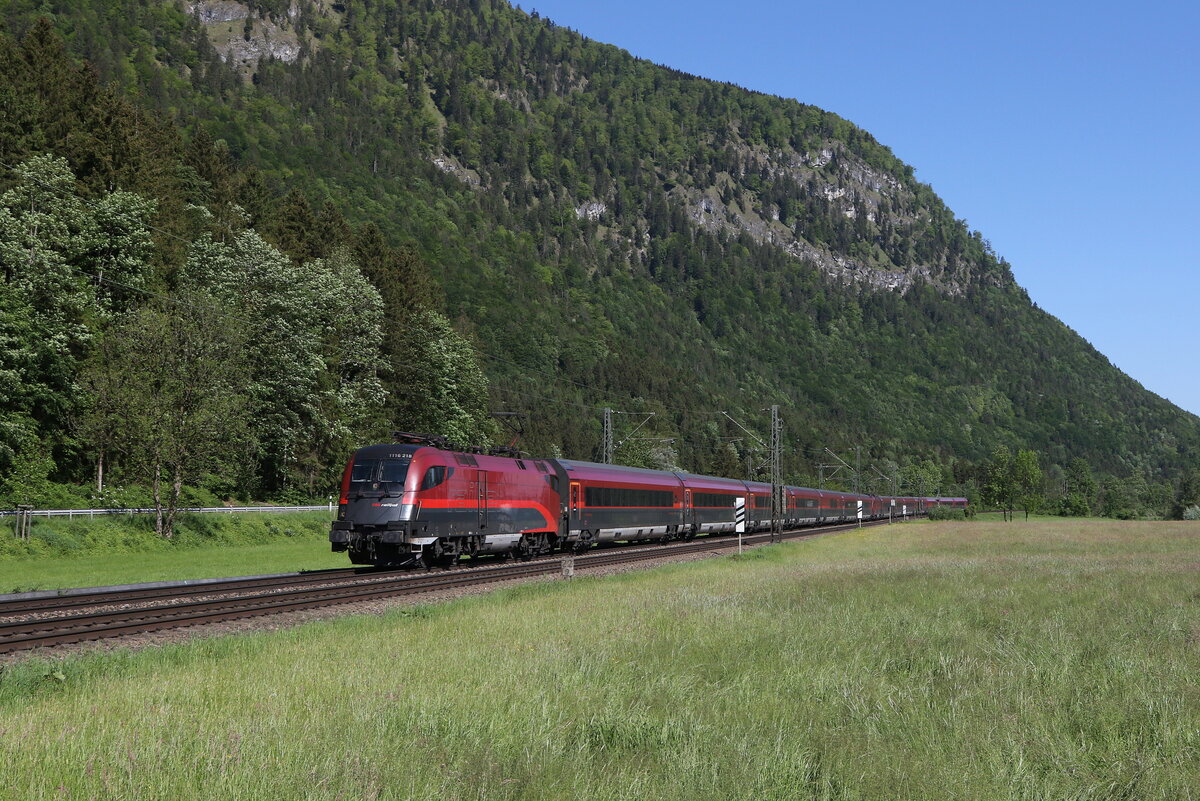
775 462
777 499
607 447
857 466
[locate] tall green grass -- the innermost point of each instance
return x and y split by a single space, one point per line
938 661
115 550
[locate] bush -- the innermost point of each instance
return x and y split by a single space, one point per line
1191 513
946 513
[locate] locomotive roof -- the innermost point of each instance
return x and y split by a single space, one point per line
386 449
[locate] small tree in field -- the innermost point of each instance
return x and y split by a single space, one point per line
1011 479
1027 478
999 489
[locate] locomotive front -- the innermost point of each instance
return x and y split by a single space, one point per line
376 520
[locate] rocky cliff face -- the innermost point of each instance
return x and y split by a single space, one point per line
243 36
854 189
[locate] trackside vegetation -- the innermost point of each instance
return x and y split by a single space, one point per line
934 661
125 549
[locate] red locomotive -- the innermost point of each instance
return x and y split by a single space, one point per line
418 502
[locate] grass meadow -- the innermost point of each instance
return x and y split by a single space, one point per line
125 550
1049 660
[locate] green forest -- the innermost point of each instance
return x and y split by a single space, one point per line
222 274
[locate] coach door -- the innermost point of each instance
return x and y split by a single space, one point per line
476 497
689 513
481 498
576 514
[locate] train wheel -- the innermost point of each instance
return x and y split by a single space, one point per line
431 556
583 544
525 549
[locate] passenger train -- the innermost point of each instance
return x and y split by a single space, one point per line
420 502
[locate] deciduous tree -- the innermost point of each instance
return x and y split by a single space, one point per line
169 387
1000 487
1027 478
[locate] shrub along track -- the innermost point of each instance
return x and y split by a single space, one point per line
78 616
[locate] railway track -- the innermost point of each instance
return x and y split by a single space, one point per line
79 616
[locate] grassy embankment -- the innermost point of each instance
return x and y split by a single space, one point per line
931 661
117 550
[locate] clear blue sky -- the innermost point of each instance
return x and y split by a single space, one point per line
1067 133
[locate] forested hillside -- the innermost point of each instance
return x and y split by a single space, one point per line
377 199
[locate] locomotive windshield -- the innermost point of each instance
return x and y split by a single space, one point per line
378 471
364 471
393 471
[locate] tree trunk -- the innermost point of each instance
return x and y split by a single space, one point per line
100 473
158 506
173 503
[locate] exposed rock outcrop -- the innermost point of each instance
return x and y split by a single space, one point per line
255 38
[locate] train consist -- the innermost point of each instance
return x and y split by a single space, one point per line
419 502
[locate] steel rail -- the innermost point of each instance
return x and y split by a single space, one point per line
134 593
47 631
75 598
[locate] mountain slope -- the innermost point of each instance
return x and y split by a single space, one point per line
612 232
